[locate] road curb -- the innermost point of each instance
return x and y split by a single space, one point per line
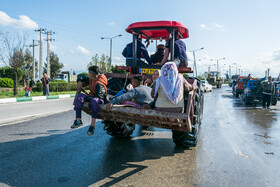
36 98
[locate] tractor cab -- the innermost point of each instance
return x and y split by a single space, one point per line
153 31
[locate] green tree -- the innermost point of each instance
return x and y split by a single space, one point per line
28 66
103 62
12 46
56 66
17 61
8 72
200 77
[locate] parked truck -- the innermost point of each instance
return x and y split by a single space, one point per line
239 87
253 92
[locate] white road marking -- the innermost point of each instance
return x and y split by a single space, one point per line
19 119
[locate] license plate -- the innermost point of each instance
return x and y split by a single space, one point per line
147 71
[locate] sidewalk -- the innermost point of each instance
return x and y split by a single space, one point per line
35 98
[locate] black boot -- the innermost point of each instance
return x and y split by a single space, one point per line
76 124
90 131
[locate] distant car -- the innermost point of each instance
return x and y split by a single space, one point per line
206 87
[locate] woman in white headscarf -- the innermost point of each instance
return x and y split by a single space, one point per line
169 89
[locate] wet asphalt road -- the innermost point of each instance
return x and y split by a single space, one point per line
238 146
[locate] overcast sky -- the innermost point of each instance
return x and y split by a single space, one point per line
246 32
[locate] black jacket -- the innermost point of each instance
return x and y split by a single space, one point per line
100 91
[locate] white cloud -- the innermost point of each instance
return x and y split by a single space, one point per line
72 52
111 23
117 58
24 22
276 55
203 26
83 50
268 60
213 26
52 47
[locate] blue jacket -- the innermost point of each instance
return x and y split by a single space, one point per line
141 51
141 94
179 49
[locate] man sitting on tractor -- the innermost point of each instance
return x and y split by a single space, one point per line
158 56
97 85
180 54
141 52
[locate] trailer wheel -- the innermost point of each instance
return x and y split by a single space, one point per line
247 101
236 94
118 129
274 101
186 139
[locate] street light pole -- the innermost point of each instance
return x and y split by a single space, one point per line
111 45
194 60
217 62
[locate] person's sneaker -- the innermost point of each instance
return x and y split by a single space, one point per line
264 107
76 124
144 127
90 131
268 107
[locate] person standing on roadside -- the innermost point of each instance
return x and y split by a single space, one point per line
45 81
268 91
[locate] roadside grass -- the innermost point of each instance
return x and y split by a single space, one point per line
10 94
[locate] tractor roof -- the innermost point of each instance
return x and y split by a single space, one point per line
158 29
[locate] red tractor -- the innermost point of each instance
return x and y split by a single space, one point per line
120 121
240 86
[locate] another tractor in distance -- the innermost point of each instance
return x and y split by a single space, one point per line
214 79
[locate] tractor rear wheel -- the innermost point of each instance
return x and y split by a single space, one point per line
186 139
115 85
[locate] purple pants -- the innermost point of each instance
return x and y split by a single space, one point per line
93 105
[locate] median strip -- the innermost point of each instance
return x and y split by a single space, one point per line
37 98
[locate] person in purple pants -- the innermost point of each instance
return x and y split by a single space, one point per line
97 84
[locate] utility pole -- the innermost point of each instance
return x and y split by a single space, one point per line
48 51
111 43
194 60
34 64
229 72
41 54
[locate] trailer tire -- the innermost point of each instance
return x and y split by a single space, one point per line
236 94
274 101
118 129
247 101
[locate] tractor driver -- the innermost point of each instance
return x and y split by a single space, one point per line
180 54
141 52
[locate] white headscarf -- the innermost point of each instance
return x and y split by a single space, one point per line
170 81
